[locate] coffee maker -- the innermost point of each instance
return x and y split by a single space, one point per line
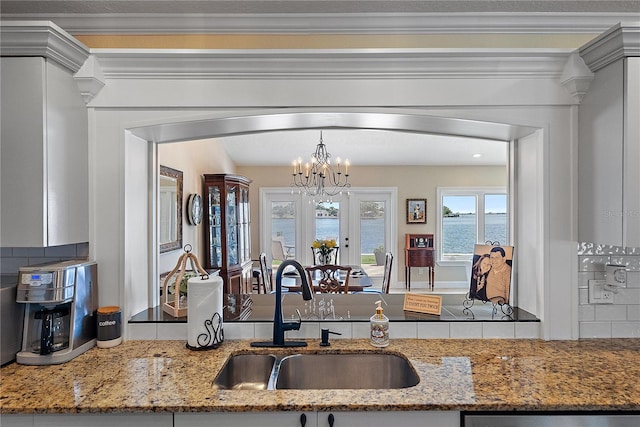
60 312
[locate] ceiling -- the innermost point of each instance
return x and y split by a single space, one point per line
364 148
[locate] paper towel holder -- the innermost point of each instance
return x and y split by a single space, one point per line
208 331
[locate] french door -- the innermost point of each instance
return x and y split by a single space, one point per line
360 222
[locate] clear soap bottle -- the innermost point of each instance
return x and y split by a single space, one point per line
379 327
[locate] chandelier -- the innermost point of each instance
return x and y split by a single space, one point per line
320 178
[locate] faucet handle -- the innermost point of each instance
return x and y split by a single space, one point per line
325 337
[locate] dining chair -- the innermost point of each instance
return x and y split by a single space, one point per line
329 278
386 278
279 251
265 273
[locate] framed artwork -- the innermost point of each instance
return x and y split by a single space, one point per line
491 273
416 211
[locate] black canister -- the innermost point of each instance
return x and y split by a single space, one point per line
109 326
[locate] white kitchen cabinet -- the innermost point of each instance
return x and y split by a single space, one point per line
320 419
609 141
243 419
44 143
392 418
88 420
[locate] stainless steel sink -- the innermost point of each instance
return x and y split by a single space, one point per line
316 371
345 371
246 372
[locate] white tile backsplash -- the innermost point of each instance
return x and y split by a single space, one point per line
263 330
465 330
586 313
633 312
142 331
343 328
14 258
609 312
595 330
592 262
584 277
633 279
625 330
631 262
622 318
403 329
498 330
311 331
174 331
238 330
627 296
428 330
527 330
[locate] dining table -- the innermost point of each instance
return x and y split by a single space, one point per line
359 280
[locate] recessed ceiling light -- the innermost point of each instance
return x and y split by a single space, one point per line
477 155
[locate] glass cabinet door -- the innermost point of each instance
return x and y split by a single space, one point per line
244 225
215 228
232 225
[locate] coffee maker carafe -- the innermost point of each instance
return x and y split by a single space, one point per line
60 311
50 330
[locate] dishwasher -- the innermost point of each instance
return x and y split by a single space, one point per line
551 419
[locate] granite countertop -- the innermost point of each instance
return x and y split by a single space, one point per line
164 376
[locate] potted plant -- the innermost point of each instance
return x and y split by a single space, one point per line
379 253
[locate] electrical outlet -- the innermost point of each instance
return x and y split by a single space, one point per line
598 294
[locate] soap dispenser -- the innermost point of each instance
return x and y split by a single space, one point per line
379 327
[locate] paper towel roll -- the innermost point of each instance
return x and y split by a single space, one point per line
204 315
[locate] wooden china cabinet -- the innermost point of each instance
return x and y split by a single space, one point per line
227 224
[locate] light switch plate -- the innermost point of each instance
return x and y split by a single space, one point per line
598 294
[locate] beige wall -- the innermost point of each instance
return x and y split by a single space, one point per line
411 181
193 158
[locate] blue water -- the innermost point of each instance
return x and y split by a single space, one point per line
371 232
459 231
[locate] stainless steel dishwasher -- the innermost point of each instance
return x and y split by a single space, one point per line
547 419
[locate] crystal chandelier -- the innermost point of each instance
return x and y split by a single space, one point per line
320 178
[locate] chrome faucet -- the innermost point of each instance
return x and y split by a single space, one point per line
280 325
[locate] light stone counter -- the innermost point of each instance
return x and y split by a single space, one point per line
164 376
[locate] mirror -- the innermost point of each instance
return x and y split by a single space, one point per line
169 209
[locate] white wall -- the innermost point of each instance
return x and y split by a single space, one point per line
600 158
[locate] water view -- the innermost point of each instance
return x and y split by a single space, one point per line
459 232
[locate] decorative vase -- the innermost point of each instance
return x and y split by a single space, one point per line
325 257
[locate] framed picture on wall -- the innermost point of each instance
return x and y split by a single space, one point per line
416 211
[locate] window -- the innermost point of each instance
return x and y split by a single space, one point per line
468 216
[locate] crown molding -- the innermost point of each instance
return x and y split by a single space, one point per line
44 39
332 63
331 23
576 77
621 41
